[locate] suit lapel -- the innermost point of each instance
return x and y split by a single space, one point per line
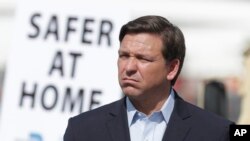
178 126
117 122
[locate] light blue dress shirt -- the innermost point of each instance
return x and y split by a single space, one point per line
152 127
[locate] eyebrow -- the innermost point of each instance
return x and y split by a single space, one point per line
122 51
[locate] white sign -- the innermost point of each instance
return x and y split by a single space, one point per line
62 63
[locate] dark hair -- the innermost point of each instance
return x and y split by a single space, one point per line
172 37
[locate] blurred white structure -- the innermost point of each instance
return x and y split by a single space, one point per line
215 31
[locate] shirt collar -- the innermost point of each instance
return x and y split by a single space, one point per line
131 111
166 109
168 106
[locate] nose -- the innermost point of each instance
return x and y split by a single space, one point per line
131 66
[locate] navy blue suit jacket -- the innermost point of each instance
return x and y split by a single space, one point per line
109 123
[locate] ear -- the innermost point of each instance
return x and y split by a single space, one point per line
173 67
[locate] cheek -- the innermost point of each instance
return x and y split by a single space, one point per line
145 71
147 68
120 66
152 72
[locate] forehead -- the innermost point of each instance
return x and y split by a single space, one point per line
142 42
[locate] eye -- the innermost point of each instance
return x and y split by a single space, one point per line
123 55
144 59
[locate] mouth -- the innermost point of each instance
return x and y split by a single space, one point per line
129 79
129 82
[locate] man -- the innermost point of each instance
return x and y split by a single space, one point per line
150 59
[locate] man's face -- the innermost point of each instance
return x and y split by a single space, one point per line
142 69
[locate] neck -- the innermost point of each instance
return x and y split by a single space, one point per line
151 102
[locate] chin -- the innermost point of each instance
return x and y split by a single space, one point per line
133 95
131 92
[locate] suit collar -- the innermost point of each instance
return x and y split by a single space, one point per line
117 123
178 126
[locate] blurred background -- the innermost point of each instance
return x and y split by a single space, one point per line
216 73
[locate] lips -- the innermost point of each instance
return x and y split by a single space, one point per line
129 81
